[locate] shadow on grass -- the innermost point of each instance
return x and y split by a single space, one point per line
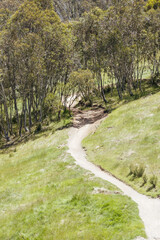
57 126
150 188
114 102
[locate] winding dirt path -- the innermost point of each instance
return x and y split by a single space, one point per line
86 122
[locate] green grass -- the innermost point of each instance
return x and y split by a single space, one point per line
128 138
44 195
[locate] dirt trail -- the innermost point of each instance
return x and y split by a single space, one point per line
85 123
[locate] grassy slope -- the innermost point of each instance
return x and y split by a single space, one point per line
44 195
129 136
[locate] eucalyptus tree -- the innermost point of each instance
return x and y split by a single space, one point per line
153 35
35 52
125 41
89 45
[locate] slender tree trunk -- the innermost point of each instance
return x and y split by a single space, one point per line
102 90
6 113
15 104
29 113
21 120
25 115
119 90
11 109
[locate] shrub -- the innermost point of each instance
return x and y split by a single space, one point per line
83 82
52 104
153 4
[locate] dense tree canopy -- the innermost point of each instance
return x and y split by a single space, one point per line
122 42
34 58
44 60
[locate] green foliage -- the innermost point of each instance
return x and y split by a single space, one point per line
40 55
52 103
122 42
35 59
152 4
45 4
4 15
83 82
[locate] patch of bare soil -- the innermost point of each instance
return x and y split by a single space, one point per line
82 118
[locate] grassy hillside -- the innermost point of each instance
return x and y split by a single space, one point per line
44 195
128 143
